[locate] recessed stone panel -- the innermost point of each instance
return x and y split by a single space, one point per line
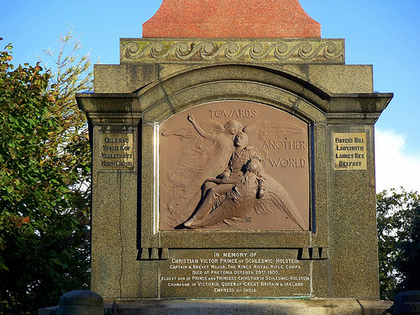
116 151
222 273
350 151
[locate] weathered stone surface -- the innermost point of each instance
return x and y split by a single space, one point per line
342 78
252 307
350 246
240 307
338 79
262 50
231 19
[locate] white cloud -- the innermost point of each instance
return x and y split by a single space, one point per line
395 168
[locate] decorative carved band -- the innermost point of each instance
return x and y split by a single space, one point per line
205 50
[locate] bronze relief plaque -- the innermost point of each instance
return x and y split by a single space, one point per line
234 165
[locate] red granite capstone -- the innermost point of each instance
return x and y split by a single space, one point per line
231 19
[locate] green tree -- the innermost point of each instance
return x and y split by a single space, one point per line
398 228
44 182
408 262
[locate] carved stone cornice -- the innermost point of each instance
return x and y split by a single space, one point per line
280 51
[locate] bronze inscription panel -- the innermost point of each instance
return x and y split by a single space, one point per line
234 273
234 165
116 151
350 151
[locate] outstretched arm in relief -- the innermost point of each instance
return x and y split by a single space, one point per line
197 128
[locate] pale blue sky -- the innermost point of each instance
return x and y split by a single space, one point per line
384 33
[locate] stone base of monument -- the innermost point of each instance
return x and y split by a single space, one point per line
248 307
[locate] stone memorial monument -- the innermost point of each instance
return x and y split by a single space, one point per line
233 166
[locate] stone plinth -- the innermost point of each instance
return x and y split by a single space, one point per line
254 307
231 19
